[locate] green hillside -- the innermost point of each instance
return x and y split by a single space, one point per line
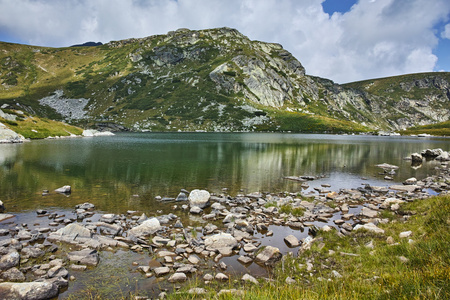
213 80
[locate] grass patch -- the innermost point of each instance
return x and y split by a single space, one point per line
373 273
295 211
439 129
39 128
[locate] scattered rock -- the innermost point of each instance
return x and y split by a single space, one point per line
249 278
64 190
369 226
147 227
178 277
292 241
268 256
84 257
28 290
405 234
199 198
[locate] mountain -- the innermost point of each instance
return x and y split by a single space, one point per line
88 44
215 80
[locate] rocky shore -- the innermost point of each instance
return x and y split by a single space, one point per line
38 262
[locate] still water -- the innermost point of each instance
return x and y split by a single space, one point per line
127 171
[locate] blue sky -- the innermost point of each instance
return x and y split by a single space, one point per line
343 40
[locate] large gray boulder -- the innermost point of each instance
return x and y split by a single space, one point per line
199 198
28 290
13 274
147 227
84 257
269 256
221 242
9 260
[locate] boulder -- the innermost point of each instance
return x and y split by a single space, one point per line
181 197
269 256
416 158
220 241
369 213
13 274
84 257
431 153
221 277
9 260
369 226
28 290
5 217
2 207
178 277
405 188
199 198
444 156
161 271
34 252
147 227
291 241
64 190
249 278
410 181
195 210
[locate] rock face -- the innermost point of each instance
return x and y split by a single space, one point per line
28 290
199 198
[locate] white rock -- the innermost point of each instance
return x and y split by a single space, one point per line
370 227
249 278
199 198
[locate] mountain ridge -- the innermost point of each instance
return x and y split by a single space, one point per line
213 80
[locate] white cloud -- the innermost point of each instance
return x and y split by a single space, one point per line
374 39
446 33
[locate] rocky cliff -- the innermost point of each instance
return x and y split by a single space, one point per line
214 79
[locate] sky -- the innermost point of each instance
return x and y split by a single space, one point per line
342 40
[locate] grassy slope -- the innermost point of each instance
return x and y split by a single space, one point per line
33 127
374 273
440 129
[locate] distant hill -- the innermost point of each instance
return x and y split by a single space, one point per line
88 44
214 80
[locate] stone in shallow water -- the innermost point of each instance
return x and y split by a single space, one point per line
178 277
9 260
28 290
161 271
269 256
84 257
291 241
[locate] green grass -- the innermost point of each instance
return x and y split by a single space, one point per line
39 128
439 129
376 273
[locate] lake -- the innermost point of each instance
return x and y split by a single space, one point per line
127 171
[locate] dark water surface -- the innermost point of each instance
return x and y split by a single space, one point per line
127 171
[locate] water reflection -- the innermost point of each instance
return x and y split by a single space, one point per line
111 171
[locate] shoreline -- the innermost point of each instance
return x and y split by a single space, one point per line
232 224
